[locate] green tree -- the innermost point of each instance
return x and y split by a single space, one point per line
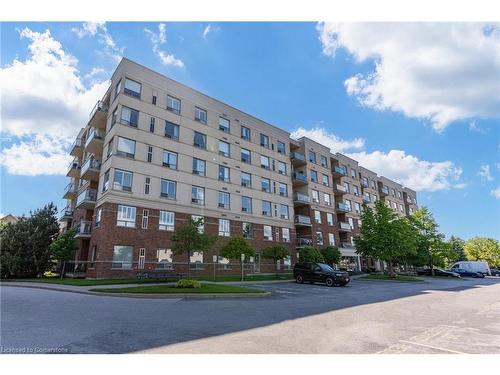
275 252
235 247
63 248
484 249
310 254
457 249
188 238
331 255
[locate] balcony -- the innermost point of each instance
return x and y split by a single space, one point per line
299 179
346 244
74 169
95 141
297 158
339 189
342 207
83 229
67 214
98 116
302 220
303 241
86 199
77 148
339 171
70 191
384 191
344 227
90 170
301 199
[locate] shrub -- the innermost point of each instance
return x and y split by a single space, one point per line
310 254
187 283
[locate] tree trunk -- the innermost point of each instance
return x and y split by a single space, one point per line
63 268
391 269
188 265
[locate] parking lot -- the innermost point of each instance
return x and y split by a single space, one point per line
436 316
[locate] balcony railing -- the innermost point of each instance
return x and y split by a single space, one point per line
302 219
299 197
99 106
94 134
344 226
340 189
301 241
87 195
343 207
83 228
71 188
346 244
302 177
67 213
91 164
297 156
339 170
77 145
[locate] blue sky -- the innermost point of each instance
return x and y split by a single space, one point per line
417 104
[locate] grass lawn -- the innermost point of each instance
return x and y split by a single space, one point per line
172 289
400 278
286 276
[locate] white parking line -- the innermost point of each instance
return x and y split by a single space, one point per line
432 347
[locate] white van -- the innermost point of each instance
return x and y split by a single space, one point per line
476 266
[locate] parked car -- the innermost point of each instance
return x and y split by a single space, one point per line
495 272
437 272
465 273
475 266
319 273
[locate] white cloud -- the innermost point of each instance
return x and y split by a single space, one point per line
496 193
473 126
42 96
485 173
104 38
329 140
442 72
206 31
88 28
157 39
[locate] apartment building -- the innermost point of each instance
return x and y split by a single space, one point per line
155 153
392 194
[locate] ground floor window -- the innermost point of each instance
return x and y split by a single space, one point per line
196 260
348 263
93 257
223 263
287 263
122 257
164 259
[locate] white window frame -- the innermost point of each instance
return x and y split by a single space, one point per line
125 216
166 221
224 228
268 233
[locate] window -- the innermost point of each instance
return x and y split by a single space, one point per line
147 185
266 185
324 161
246 204
200 140
351 222
118 88
353 173
347 187
245 133
281 148
164 259
264 162
168 189
328 199
132 88
109 150
331 239
401 208
105 182
393 193
394 206
268 233
357 207
355 190
374 198
171 130
283 189
198 195
315 196
314 176
129 116
153 100
247 230
266 208
169 159
173 104
264 140
126 216
319 238
93 256
224 124
199 167
152 125
373 185
196 260
285 233
201 222
98 216
223 173
224 200
317 216
246 179
150 154
399 194
329 218
246 156
200 115
126 147
122 257
224 228
224 149
282 168
312 157
167 221
284 212
114 116
122 180
348 203
326 180
145 219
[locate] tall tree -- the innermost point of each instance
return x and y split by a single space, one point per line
485 249
275 252
63 248
235 247
331 255
310 254
188 238
457 248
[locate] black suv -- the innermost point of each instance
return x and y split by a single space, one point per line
320 273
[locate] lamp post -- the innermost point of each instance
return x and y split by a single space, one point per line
214 260
242 263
